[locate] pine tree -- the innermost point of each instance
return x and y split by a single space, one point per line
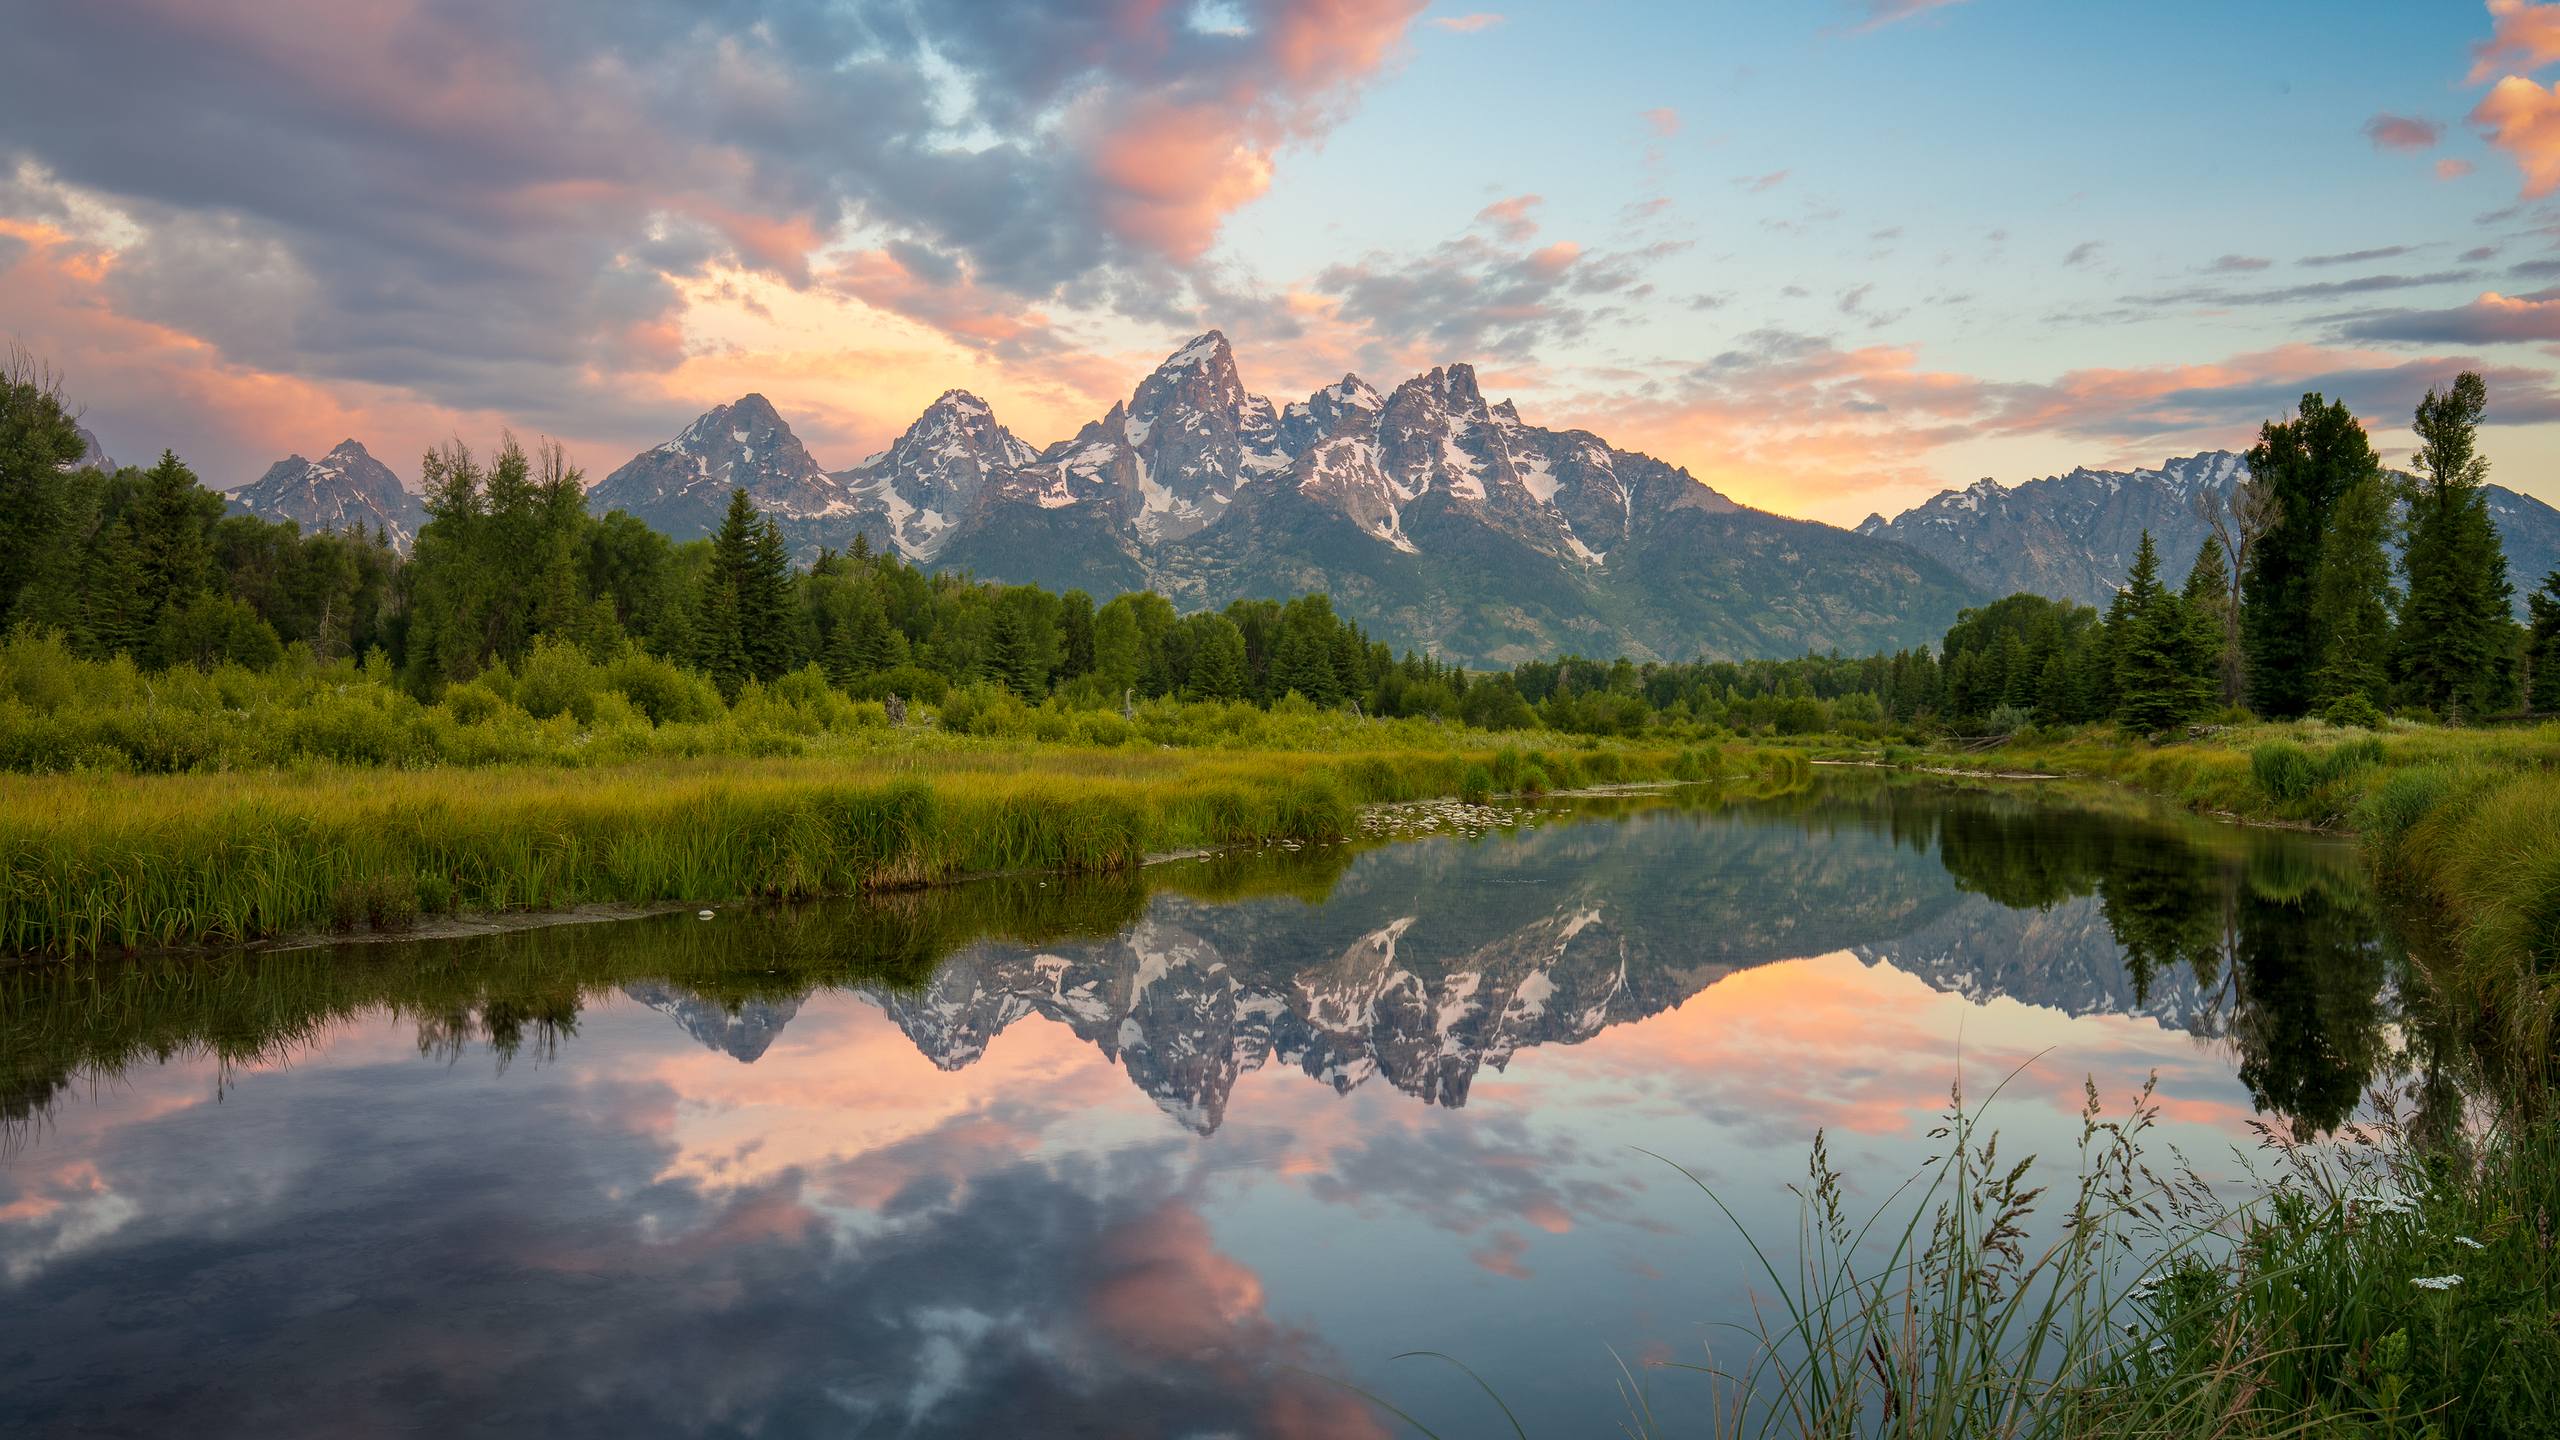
2542 646
2209 602
1217 659
2454 649
2351 603
765 605
2306 465
722 648
38 437
2162 680
840 659
170 519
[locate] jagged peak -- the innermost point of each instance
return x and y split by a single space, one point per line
350 445
1208 348
960 400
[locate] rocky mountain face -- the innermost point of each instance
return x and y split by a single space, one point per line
93 456
682 486
911 495
344 489
2073 536
1439 520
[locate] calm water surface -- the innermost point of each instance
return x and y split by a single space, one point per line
1158 1157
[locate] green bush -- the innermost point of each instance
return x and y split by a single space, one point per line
2284 770
1476 785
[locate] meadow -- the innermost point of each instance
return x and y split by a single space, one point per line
150 811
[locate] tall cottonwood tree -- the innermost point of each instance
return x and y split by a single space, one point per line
2454 649
2307 464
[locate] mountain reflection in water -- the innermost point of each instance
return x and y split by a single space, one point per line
597 1234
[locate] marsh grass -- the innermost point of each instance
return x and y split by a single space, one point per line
2362 1286
101 862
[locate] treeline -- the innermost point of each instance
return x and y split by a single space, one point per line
2293 607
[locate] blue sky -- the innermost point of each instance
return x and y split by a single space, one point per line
1830 256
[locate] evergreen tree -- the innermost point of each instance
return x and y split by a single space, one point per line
2210 604
2351 602
1217 659
2162 678
2542 646
2454 647
170 519
2306 465
116 620
38 437
765 609
724 646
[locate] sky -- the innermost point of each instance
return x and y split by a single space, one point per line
1831 257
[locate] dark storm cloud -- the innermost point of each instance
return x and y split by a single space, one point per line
486 200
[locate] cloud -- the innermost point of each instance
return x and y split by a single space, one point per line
2293 294
2400 132
2084 252
2523 36
1762 184
1880 13
1469 24
2523 119
2493 319
1663 121
494 207
1513 219
1475 298
2238 264
2452 169
2358 257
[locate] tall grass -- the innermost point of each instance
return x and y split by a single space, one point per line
102 862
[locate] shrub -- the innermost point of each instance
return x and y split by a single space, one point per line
2284 770
664 693
2353 709
1476 785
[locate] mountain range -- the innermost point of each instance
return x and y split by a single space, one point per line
1439 520
2073 536
344 489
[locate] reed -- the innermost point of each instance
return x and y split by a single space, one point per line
102 862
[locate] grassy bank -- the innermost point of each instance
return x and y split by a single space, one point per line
100 861
2463 824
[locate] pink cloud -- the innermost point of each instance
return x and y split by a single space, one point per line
1470 24
2523 36
2523 119
2452 169
2402 132
1762 184
1512 219
1663 121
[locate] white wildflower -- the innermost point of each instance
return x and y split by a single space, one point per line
2437 1282
2467 1240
